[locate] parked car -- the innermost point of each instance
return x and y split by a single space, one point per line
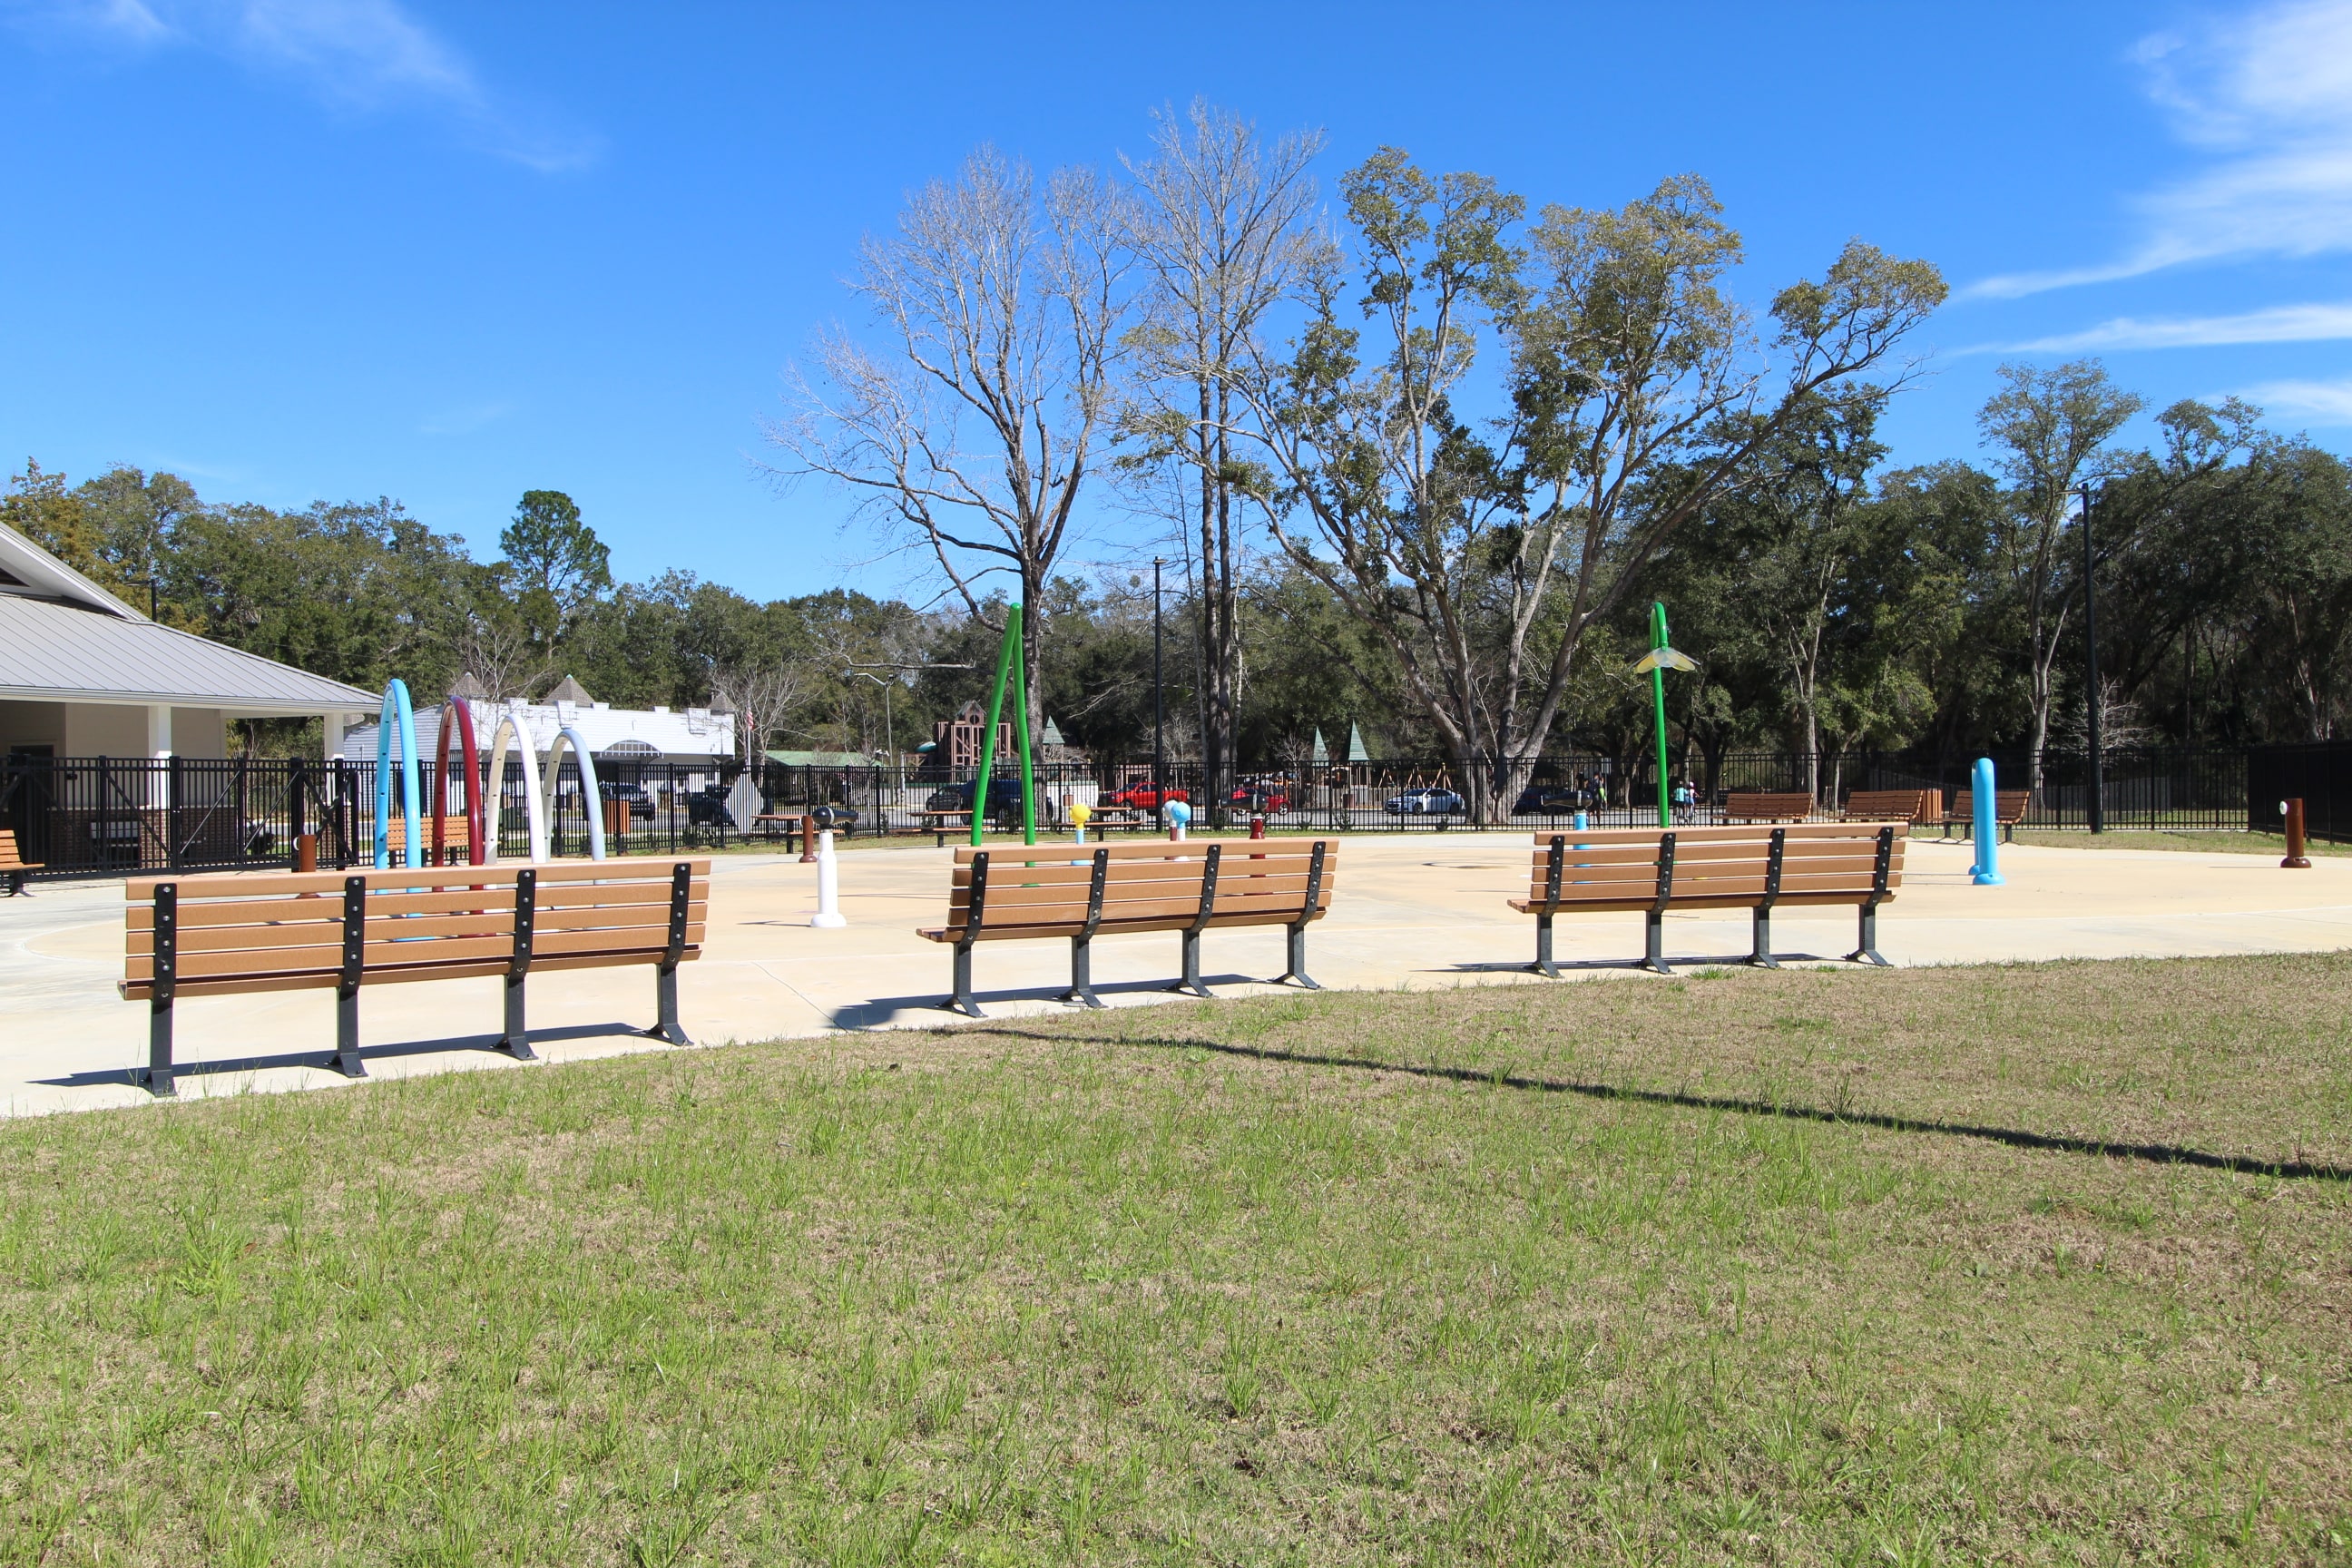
1549 800
1267 792
1431 801
1145 796
707 807
641 804
1003 796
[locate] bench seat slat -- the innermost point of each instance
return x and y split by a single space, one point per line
437 950
324 980
991 932
1286 904
321 936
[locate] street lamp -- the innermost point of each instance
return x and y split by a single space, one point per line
2090 704
1158 694
888 735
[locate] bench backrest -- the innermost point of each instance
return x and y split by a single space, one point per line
2008 805
284 929
9 859
1630 865
1056 885
1894 804
1768 804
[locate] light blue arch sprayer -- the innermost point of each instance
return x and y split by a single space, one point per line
397 709
1986 872
592 801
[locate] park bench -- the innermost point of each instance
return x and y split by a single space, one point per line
2008 811
280 930
1768 806
14 867
456 839
1083 891
1756 868
1911 805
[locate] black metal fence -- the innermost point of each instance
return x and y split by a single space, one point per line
85 815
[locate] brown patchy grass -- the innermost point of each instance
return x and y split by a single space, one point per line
1587 1272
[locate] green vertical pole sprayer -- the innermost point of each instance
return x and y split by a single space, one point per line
1654 664
1009 668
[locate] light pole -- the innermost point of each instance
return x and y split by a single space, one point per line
1159 693
889 737
2090 704
889 734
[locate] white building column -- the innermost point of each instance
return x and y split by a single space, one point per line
159 746
330 736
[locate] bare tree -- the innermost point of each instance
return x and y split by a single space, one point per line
501 652
1220 231
2051 428
763 694
973 436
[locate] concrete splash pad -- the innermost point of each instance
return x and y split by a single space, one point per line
1412 910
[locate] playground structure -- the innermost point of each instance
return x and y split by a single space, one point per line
484 822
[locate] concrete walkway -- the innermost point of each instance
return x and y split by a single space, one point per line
1419 911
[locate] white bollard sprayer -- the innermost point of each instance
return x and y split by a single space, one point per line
828 915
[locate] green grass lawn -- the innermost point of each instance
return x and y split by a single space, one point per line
1793 1268
2271 844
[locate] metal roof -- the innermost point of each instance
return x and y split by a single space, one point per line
52 650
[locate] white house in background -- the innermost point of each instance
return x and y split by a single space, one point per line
693 738
82 674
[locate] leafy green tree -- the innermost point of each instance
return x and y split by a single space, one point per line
559 565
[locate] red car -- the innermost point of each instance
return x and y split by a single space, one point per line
1146 796
1268 795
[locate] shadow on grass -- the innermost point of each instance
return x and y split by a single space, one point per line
2016 1138
486 1045
877 1012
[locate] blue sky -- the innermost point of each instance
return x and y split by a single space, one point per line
305 248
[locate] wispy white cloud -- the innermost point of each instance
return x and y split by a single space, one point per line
358 55
2320 402
465 421
2279 324
2270 97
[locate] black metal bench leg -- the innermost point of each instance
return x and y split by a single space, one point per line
516 1040
962 1001
1082 973
346 1059
1543 964
1297 957
1760 948
1190 985
156 1076
16 885
665 1004
1653 943
1868 951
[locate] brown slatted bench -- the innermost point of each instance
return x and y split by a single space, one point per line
1083 891
1911 805
456 840
14 867
2007 810
1755 869
1768 806
280 930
